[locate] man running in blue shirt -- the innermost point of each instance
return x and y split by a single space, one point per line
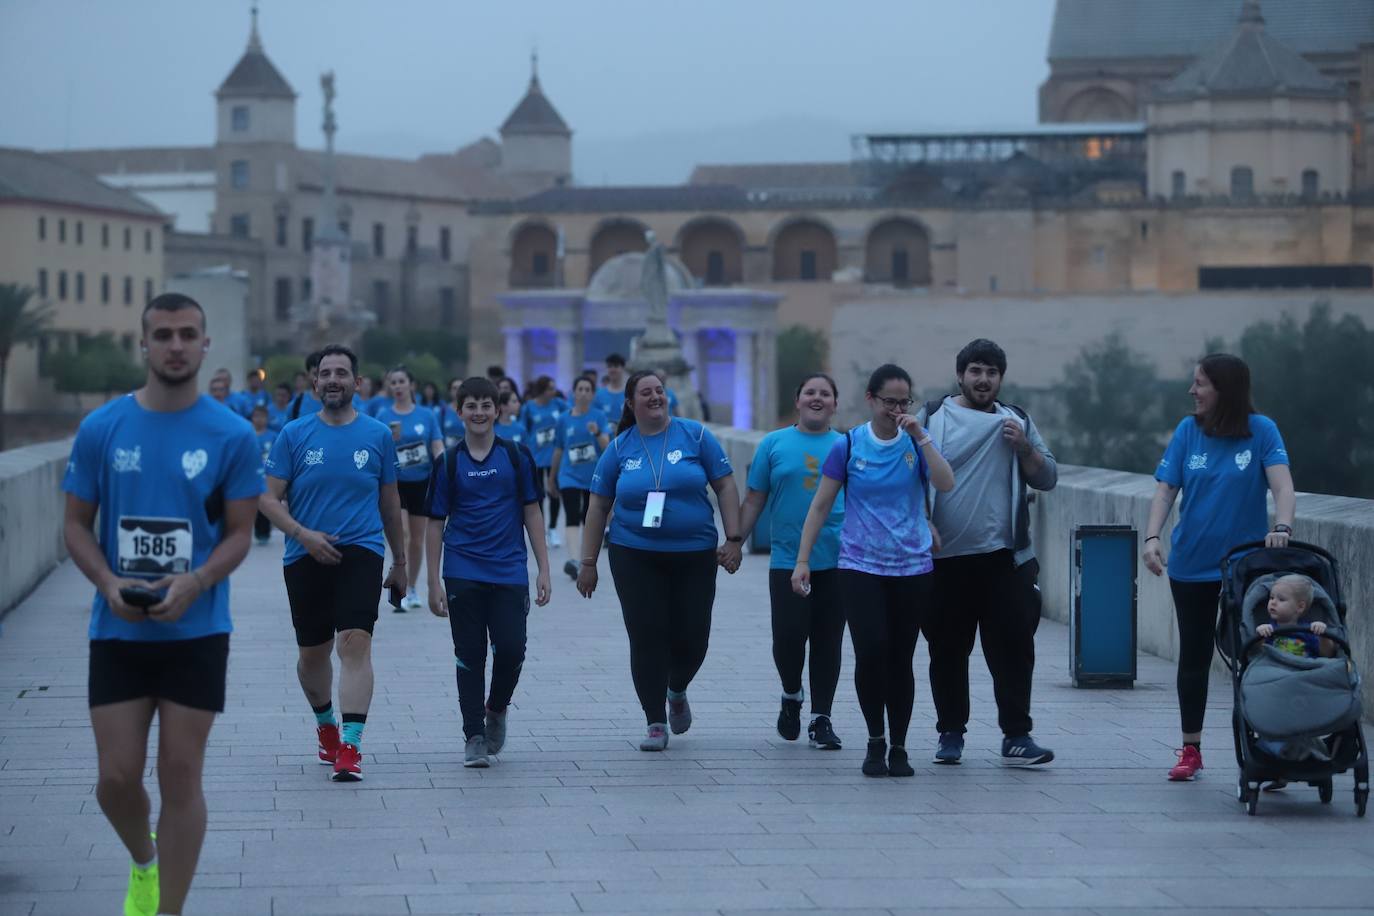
484 500
337 468
174 480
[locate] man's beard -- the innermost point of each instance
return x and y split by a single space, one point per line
977 398
187 376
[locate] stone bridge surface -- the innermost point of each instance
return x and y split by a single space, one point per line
732 819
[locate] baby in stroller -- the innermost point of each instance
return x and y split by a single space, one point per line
1290 597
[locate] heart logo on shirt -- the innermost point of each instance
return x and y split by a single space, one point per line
675 456
360 459
860 464
1243 459
194 462
419 429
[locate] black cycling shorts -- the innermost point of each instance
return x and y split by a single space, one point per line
575 504
414 496
327 599
190 672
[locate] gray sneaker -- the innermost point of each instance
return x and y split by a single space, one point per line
475 753
657 739
679 715
496 731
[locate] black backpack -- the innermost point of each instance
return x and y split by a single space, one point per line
849 448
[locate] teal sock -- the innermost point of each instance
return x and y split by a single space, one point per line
324 715
798 696
352 731
676 694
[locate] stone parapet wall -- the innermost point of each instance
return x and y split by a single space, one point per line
31 506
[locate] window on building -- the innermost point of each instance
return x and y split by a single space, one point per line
62 230
128 238
148 240
42 228
104 235
43 283
412 240
1144 230
238 118
1311 183
80 286
281 230
448 307
1242 182
80 232
307 233
281 300
378 240
104 289
238 225
901 266
445 243
147 290
381 294
62 285
306 289
539 264
238 174
128 290
715 268
1179 187
346 228
807 269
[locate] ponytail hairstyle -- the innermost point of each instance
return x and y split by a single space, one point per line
627 414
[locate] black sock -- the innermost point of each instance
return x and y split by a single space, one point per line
1194 744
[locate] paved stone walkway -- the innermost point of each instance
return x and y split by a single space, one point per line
730 820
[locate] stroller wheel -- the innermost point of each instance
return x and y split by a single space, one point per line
1361 799
1324 791
1252 794
1240 790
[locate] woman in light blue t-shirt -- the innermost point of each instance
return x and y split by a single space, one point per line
784 475
885 555
1225 458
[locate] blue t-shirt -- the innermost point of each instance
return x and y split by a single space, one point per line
277 417
680 461
484 539
1223 502
375 403
787 466
885 531
418 429
247 400
265 440
515 431
580 448
541 420
334 475
152 474
611 403
1304 645
450 424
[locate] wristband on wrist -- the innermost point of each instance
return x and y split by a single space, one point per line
591 562
737 539
1283 529
923 441
1153 537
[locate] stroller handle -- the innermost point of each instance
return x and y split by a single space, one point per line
1260 545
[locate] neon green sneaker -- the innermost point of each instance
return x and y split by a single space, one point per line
144 895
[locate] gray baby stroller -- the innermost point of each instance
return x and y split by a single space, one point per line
1295 719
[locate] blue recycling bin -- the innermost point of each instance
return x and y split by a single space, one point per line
1102 625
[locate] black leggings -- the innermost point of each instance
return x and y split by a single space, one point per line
554 503
666 600
884 615
819 617
1195 606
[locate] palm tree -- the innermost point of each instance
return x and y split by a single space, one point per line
19 323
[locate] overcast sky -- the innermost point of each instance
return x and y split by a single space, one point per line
648 88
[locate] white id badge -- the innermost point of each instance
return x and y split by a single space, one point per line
653 509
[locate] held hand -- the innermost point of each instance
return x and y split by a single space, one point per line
117 606
182 591
801 578
543 590
729 555
1154 558
586 580
320 546
1318 627
911 426
1265 629
438 601
1015 436
1277 539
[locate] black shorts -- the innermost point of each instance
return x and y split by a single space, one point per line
327 599
414 496
190 672
575 504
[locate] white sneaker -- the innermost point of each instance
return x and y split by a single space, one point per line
555 539
412 602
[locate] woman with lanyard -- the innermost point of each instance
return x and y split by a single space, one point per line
784 475
419 441
450 422
885 555
663 549
543 407
580 441
508 424
1224 458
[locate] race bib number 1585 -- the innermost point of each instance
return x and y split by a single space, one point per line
154 546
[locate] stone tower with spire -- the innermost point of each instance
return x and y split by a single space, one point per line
535 140
255 103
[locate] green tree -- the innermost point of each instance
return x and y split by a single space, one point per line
1113 408
97 365
800 350
22 320
1316 381
282 368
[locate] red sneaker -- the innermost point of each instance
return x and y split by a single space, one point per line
1189 762
348 764
328 736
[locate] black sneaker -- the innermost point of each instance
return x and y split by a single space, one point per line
875 763
789 719
1024 752
571 569
822 735
951 748
897 764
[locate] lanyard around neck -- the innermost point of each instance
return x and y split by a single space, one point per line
662 458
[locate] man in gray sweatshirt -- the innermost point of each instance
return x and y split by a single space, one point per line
985 568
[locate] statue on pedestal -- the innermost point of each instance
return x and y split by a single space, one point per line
658 347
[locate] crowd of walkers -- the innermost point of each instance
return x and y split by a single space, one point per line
913 523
